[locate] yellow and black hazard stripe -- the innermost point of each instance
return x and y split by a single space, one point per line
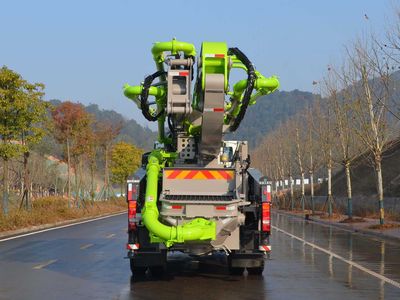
200 174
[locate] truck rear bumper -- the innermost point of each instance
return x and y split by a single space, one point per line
147 259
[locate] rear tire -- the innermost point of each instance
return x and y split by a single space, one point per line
255 271
157 271
236 271
137 271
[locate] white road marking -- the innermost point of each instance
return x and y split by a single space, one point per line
86 246
110 235
59 227
352 263
45 264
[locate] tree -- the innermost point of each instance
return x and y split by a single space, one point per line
70 124
322 126
372 93
340 93
106 132
21 112
125 159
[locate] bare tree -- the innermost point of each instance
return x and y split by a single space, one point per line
301 144
339 91
106 132
372 93
322 125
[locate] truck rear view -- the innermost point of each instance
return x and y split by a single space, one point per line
196 192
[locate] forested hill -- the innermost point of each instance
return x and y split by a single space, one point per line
131 131
268 113
261 118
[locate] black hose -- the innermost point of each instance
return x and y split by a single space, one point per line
144 105
251 78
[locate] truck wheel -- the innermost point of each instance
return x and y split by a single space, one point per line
157 271
238 271
137 271
256 270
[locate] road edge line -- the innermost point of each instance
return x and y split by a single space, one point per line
64 224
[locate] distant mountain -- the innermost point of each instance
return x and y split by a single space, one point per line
268 113
260 119
131 131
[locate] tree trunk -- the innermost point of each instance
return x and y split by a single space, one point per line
26 193
5 187
312 190
92 182
379 181
302 191
349 192
329 190
106 179
291 191
68 175
76 184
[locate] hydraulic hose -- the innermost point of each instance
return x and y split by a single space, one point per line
251 77
144 105
197 230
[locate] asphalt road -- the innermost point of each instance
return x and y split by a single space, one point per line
309 261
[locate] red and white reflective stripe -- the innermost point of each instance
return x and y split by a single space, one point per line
181 73
265 248
132 246
214 109
214 55
129 196
223 207
269 193
173 206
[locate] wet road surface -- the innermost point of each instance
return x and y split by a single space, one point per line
86 262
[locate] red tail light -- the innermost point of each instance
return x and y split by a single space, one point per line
132 205
266 216
266 193
132 214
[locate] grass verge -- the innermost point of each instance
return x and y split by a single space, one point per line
55 209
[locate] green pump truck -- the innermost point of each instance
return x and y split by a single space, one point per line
196 192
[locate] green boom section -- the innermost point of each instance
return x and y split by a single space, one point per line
174 47
133 93
196 230
263 86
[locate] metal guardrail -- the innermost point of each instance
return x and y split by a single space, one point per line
362 205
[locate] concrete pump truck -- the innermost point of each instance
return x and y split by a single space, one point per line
196 192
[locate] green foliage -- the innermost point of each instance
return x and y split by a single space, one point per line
125 159
130 130
71 124
22 113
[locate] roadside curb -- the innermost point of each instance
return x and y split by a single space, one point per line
369 233
12 233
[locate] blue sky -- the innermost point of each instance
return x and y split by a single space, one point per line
86 50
